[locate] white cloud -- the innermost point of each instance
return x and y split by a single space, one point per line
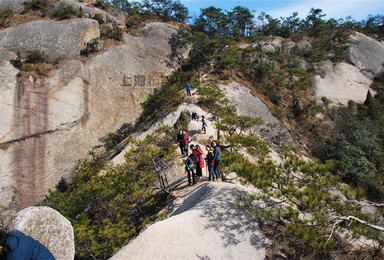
358 9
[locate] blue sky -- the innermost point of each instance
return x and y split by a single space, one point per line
358 9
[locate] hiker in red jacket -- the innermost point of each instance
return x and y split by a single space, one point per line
200 160
186 140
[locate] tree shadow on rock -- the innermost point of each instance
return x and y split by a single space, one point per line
233 222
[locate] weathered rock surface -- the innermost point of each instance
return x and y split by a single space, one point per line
366 53
250 105
206 224
49 227
53 121
16 5
342 82
58 39
89 12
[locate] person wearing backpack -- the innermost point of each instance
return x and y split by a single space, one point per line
210 163
190 168
204 124
216 160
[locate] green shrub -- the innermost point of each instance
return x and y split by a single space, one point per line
65 11
114 33
99 18
37 5
91 47
6 14
107 210
36 57
17 63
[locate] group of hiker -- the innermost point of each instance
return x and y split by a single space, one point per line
195 161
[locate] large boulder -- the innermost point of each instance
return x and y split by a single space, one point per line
58 39
208 224
342 82
366 53
54 120
49 227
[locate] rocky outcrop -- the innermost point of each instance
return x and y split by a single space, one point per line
53 121
206 224
15 5
302 46
366 53
49 227
58 39
89 12
250 105
342 82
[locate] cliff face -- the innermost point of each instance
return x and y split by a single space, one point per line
50 121
350 81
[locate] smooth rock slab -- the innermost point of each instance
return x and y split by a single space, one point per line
366 53
342 82
208 224
58 39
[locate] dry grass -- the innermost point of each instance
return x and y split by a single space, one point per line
5 146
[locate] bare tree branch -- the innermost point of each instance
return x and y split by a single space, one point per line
340 219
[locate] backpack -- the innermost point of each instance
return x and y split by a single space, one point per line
188 138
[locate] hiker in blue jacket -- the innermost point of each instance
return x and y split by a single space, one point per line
204 124
190 168
188 89
216 160
210 163
15 245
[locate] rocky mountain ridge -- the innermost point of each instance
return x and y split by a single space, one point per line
52 120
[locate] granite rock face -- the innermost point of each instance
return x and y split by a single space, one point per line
58 39
366 53
250 105
342 82
49 227
52 121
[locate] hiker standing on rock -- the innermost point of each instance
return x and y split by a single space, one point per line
199 158
188 89
180 138
210 163
15 245
204 124
190 168
186 141
216 160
